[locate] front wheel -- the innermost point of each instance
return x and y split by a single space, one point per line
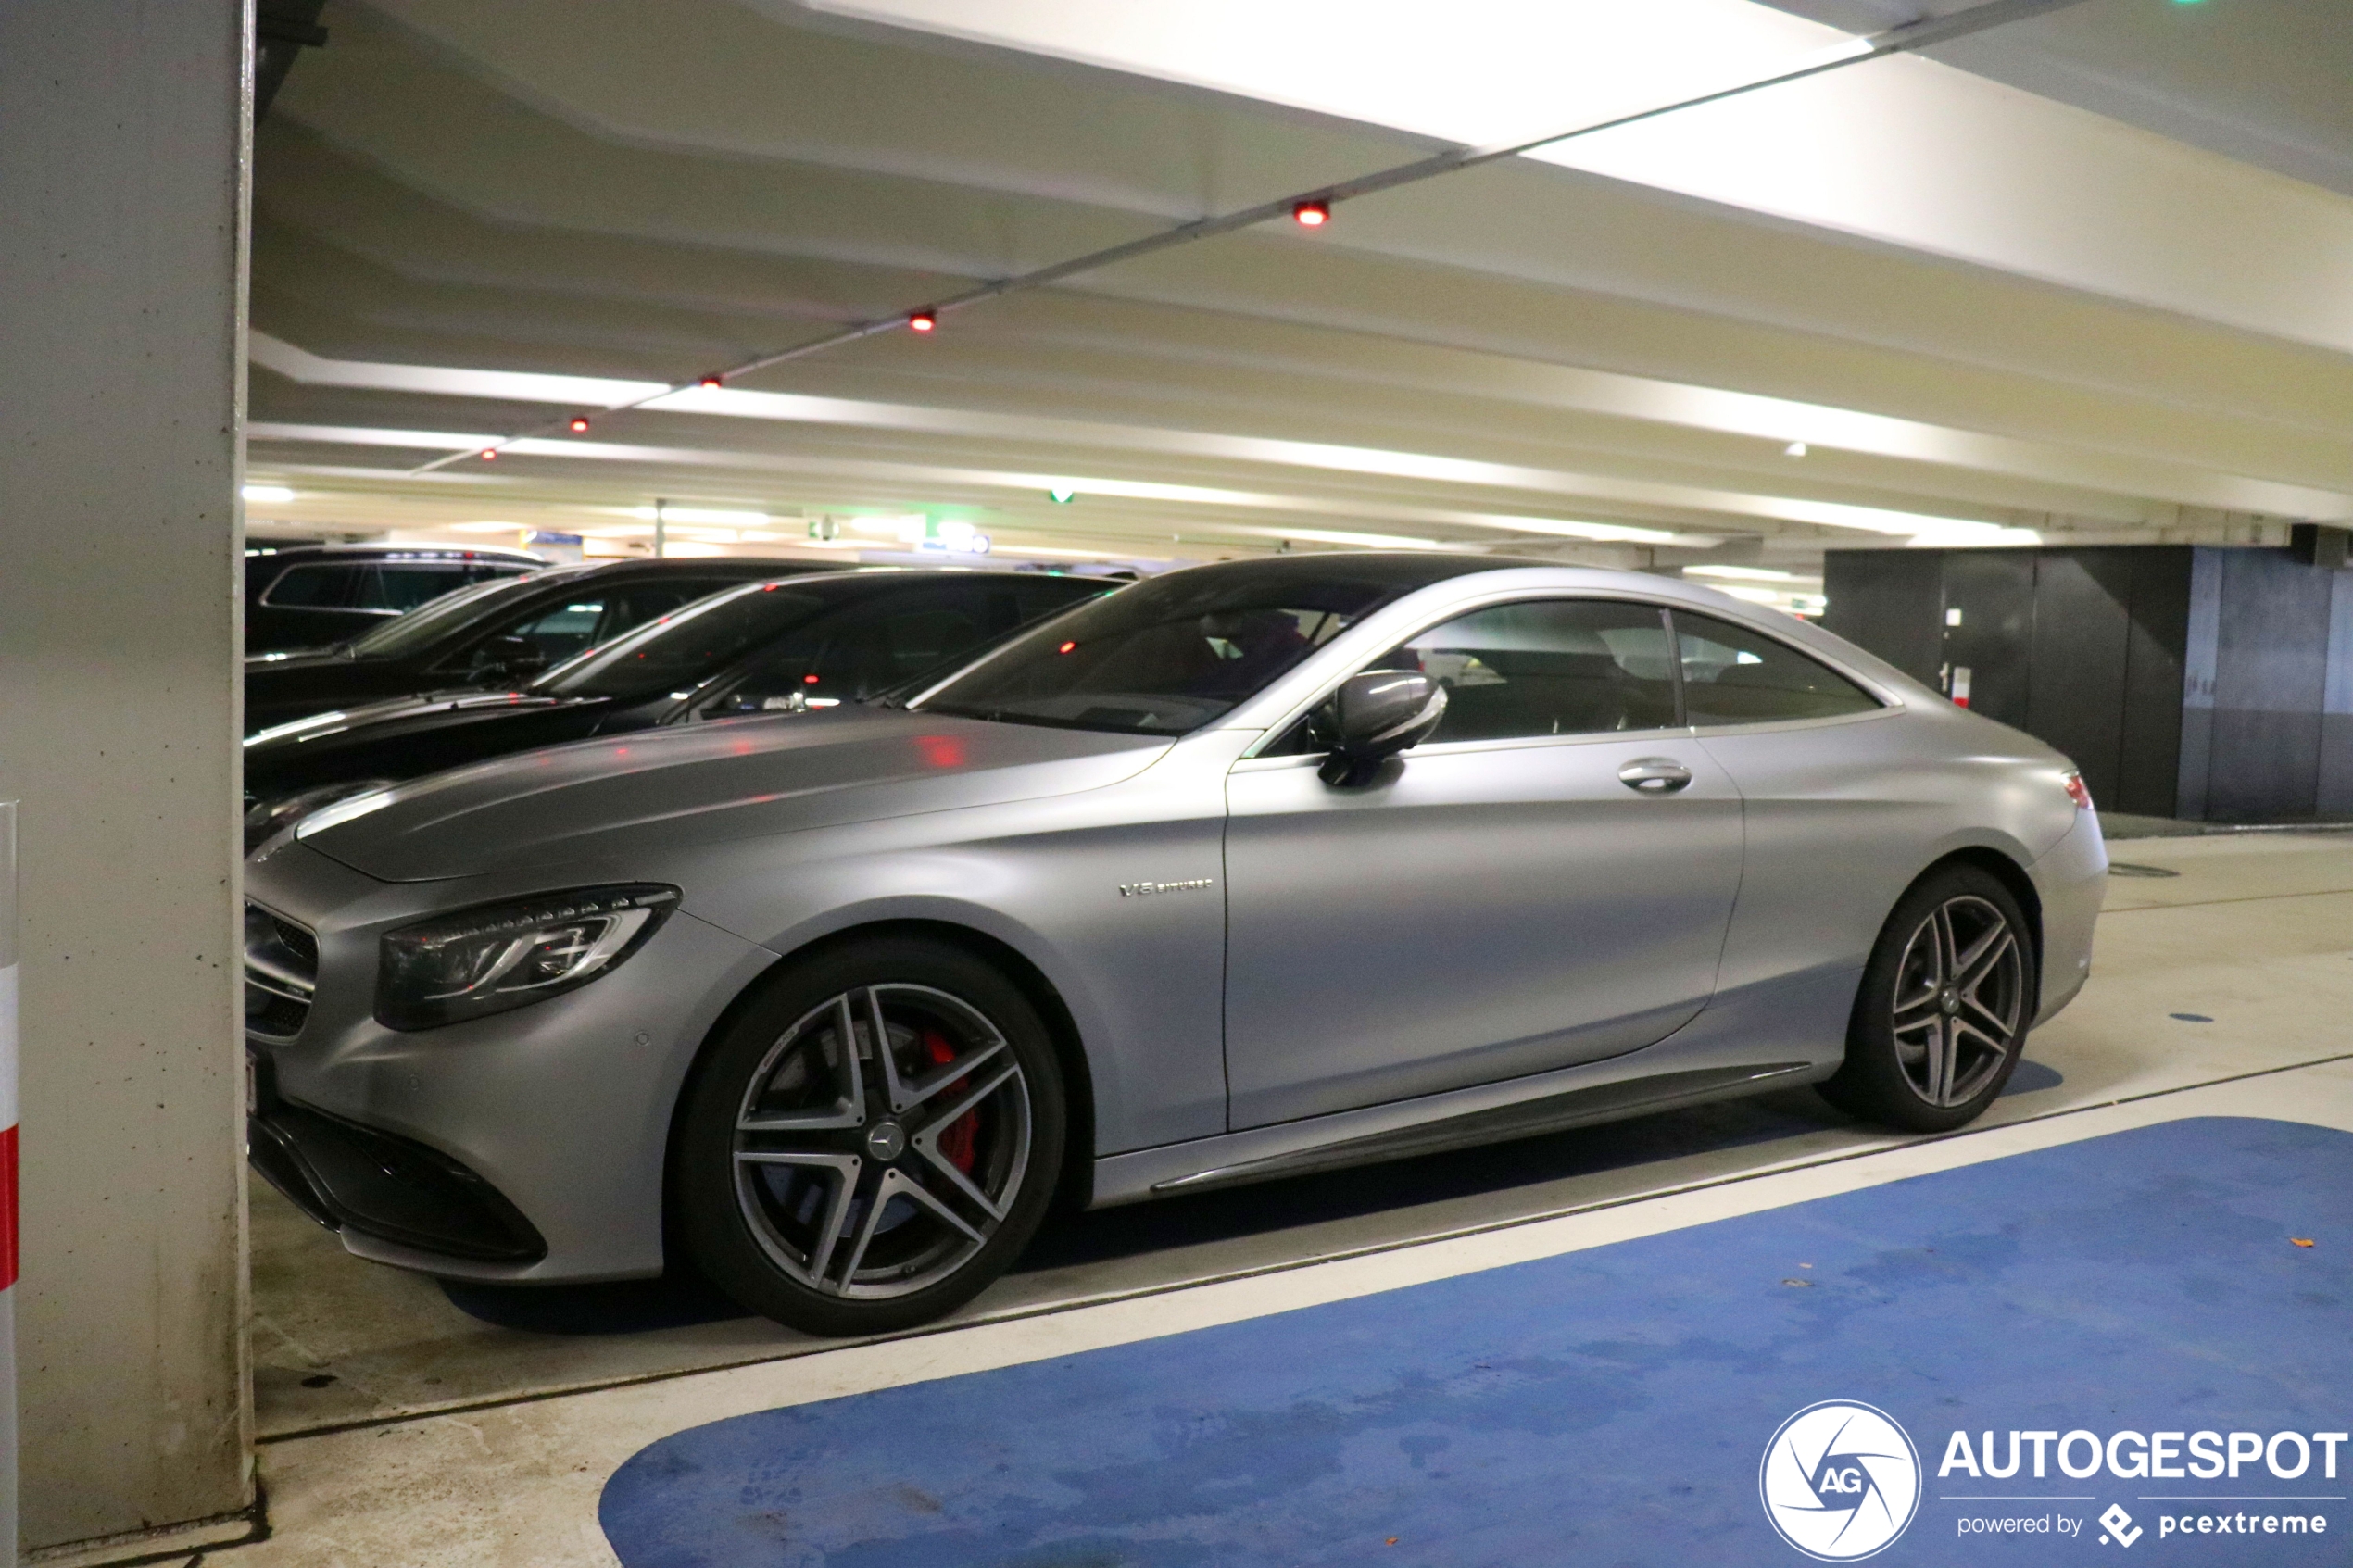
872 1141
1941 1015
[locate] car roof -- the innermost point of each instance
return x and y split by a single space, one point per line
1392 570
398 552
861 579
751 569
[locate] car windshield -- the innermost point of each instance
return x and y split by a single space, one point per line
684 648
436 619
1173 654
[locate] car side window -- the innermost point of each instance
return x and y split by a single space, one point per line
403 585
1546 667
870 648
1732 676
314 586
555 634
856 653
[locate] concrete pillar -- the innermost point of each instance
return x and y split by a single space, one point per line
123 168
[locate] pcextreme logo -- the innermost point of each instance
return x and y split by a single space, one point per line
1840 1481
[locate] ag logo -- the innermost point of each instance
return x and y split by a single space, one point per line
1840 1480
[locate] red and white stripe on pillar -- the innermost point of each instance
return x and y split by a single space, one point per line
8 1061
8 1056
8 1181
8 1112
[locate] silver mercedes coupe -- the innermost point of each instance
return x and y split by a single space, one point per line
1246 871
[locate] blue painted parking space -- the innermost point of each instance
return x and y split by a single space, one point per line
1615 1405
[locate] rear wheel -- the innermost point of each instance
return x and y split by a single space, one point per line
872 1141
1941 1015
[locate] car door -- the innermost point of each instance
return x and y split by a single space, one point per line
1545 881
1836 815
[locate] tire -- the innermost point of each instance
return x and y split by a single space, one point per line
853 1195
1946 1000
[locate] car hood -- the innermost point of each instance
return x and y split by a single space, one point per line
398 716
710 782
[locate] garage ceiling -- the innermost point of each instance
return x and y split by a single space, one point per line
1981 310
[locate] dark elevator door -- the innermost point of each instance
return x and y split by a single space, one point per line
1988 629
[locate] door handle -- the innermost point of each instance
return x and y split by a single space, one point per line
1655 776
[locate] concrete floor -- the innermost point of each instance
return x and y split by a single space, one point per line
398 1428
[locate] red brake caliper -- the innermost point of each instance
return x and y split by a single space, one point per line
956 1139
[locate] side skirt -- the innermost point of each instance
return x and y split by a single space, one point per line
1781 1033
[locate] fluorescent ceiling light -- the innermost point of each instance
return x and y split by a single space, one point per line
1336 536
267 492
361 435
1356 460
513 386
1747 573
1601 532
485 528
1056 552
1498 70
703 514
1948 535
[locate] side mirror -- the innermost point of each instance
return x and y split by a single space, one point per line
1373 717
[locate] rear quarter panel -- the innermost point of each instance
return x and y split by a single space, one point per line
1840 817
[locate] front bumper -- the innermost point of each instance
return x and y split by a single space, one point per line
528 1147
389 1189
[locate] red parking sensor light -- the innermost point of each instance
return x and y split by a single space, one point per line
1311 215
923 320
709 381
579 426
488 453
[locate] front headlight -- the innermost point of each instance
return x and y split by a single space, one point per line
265 819
500 956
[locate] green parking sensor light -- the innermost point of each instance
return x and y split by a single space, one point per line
1062 495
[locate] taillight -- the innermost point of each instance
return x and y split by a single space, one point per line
2074 783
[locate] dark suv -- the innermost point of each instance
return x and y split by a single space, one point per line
313 595
500 633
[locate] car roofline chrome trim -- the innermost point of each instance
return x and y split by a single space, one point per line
1284 702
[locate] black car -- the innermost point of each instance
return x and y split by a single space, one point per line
313 595
499 633
786 645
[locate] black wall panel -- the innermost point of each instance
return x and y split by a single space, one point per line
2335 792
2270 672
2186 682
1889 602
2081 640
2150 750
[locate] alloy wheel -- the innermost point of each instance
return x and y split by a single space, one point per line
882 1141
1960 991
